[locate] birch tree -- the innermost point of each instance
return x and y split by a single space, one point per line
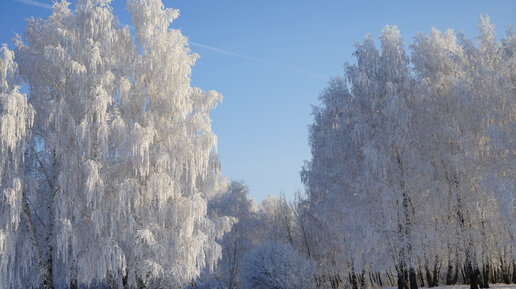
118 166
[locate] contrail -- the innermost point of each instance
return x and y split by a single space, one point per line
214 49
230 53
35 3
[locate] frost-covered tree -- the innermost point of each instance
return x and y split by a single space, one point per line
471 95
382 86
398 137
237 243
114 176
277 221
272 222
332 150
357 168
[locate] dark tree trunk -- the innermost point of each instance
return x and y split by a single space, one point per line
73 284
455 275
429 278
335 281
124 279
504 274
421 277
139 283
465 275
413 278
437 272
111 281
48 279
318 281
44 266
390 278
478 278
472 276
449 275
354 281
362 280
514 272
372 278
485 276
433 277
402 279
47 282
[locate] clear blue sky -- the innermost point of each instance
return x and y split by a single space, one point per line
271 59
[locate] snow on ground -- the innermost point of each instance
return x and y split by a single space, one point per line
491 286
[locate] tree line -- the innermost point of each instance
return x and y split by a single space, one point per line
412 176
110 179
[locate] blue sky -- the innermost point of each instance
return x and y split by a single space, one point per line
271 59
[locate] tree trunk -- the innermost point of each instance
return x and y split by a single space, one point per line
455 275
362 280
334 280
485 276
413 278
48 280
353 280
74 273
45 268
504 274
429 278
513 272
139 283
390 278
471 276
111 281
124 279
73 284
305 239
437 272
402 280
421 277
449 275
372 279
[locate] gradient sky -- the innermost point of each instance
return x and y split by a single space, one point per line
271 59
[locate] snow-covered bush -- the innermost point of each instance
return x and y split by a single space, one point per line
277 266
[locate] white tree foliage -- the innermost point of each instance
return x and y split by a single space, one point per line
414 157
16 118
119 163
237 243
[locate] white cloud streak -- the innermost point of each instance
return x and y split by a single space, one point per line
35 3
211 48
251 58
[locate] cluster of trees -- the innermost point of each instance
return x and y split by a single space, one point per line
260 251
412 179
413 162
109 176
